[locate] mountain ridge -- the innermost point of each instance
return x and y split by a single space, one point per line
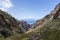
9 24
50 16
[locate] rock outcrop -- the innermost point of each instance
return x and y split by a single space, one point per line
24 25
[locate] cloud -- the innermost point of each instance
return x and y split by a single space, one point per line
5 4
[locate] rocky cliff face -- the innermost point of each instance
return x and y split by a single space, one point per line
55 14
25 26
10 25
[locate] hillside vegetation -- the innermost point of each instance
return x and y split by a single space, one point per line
47 28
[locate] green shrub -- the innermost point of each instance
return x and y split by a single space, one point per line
1 37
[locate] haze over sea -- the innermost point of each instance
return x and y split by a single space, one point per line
30 21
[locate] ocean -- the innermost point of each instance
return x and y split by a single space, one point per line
30 21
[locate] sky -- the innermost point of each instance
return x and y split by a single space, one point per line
28 9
